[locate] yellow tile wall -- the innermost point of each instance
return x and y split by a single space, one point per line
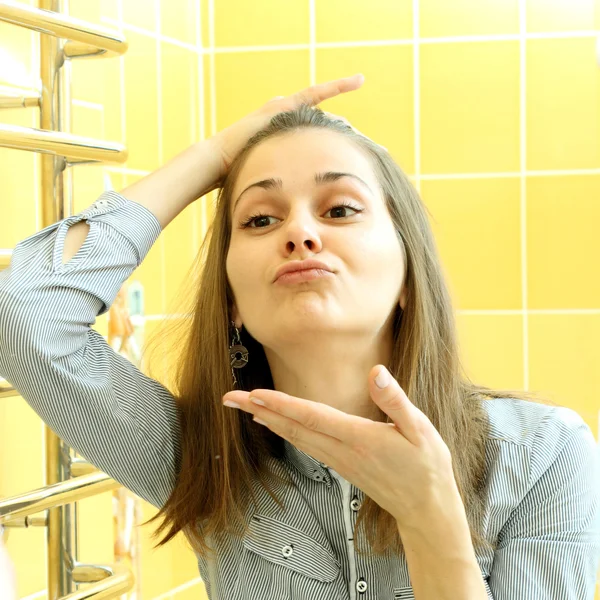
492 108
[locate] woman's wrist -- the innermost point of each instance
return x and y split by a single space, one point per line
173 187
208 156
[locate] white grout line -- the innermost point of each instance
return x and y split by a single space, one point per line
312 43
417 96
149 33
531 311
42 593
35 123
464 312
122 75
366 43
523 182
509 37
159 110
213 82
87 104
179 588
203 134
492 175
431 177
128 171
562 172
159 81
198 125
442 176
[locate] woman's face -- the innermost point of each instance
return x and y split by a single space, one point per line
304 221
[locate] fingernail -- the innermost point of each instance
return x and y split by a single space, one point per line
231 404
382 378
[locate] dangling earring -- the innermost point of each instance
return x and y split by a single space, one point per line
237 348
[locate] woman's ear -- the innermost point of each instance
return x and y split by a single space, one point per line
235 317
402 301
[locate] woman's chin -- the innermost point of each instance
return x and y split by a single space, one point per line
307 323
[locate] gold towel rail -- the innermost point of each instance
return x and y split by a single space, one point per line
85 39
13 97
52 496
17 511
68 478
75 147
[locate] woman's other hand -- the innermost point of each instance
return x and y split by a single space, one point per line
230 141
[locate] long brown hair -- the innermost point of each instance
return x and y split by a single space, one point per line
224 450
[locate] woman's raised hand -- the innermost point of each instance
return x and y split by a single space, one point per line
232 139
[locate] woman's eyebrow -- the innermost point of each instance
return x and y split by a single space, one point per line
320 179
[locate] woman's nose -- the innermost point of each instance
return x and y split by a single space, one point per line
302 231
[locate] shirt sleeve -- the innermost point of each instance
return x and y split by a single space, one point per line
97 401
549 549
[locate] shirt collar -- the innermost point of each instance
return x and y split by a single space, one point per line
306 464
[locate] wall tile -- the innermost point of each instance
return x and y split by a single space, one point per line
470 107
563 104
562 242
574 15
269 22
179 19
141 112
394 20
383 107
477 226
439 18
564 361
492 349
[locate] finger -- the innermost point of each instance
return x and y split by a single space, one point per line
315 416
304 434
394 402
315 94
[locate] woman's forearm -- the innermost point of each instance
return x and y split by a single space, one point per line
166 191
174 186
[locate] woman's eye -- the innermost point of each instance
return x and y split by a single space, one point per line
345 207
262 217
246 224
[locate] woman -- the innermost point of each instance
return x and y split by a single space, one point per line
266 517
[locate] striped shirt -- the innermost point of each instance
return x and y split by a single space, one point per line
542 462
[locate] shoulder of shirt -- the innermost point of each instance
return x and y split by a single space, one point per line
518 421
544 441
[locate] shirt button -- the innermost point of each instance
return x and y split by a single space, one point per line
361 585
355 504
287 551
